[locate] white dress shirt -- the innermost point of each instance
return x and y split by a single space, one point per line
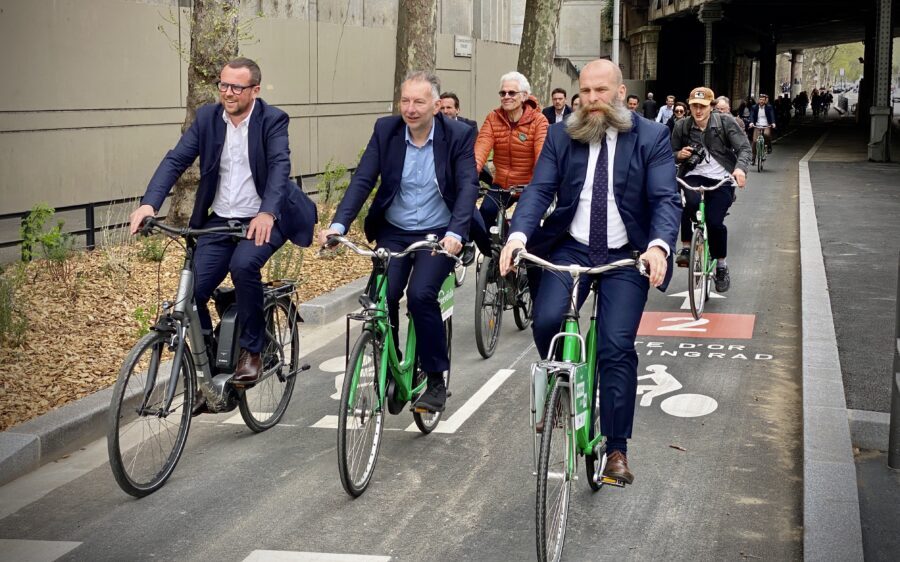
616 235
236 197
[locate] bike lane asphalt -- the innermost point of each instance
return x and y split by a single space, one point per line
722 483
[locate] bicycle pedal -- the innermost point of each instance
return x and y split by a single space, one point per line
304 367
612 482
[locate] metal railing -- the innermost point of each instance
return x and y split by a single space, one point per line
91 228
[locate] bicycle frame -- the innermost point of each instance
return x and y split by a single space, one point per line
575 370
709 264
375 317
182 321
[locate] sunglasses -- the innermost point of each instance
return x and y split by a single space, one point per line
508 93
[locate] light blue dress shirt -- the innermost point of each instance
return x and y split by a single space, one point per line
419 204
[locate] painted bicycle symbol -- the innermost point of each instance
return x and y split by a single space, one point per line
681 405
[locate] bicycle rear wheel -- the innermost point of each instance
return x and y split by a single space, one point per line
144 445
522 305
698 280
489 304
263 404
554 481
360 419
426 422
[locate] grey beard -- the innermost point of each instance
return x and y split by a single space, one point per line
583 126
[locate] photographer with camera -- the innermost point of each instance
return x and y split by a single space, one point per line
709 147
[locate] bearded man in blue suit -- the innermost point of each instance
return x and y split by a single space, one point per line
613 176
245 163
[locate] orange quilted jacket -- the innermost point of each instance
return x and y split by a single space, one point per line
516 149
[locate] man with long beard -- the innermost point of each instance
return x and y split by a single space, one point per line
613 175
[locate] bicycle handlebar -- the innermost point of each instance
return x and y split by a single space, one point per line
430 243
727 179
636 262
235 228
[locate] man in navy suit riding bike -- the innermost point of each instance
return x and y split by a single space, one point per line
613 177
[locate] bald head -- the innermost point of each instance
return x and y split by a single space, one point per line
603 66
600 81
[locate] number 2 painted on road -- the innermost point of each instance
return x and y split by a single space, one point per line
688 324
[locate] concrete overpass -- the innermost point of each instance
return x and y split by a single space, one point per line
731 46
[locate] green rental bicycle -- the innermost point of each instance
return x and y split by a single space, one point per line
495 293
565 411
761 147
375 376
701 265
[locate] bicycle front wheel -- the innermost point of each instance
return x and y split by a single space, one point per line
426 422
760 154
263 405
523 304
145 443
554 480
698 282
488 307
360 419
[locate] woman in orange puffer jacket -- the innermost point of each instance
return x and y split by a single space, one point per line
515 131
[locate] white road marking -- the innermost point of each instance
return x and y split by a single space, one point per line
294 556
686 305
689 405
452 424
35 551
238 420
327 422
333 365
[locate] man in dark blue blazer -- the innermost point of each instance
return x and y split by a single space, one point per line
762 121
558 110
242 143
428 186
613 175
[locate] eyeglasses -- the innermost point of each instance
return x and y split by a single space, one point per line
510 93
679 111
237 89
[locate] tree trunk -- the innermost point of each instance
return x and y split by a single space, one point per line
214 41
416 50
539 45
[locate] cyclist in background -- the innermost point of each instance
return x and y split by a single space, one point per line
709 146
762 122
515 132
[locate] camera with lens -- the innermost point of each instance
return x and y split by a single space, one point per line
698 154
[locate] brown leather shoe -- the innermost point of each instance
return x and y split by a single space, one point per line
248 369
617 467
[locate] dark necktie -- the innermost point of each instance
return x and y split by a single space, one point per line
599 250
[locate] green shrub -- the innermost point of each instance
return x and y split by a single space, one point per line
286 263
152 249
13 323
144 317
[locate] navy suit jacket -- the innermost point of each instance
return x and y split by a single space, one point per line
643 185
468 122
550 113
270 165
770 114
454 166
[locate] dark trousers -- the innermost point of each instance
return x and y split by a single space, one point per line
622 295
216 256
426 274
717 204
489 209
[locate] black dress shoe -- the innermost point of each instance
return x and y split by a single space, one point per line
617 467
467 256
249 368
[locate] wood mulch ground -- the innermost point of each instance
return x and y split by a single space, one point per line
80 329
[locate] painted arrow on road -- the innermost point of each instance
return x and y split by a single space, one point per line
686 305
